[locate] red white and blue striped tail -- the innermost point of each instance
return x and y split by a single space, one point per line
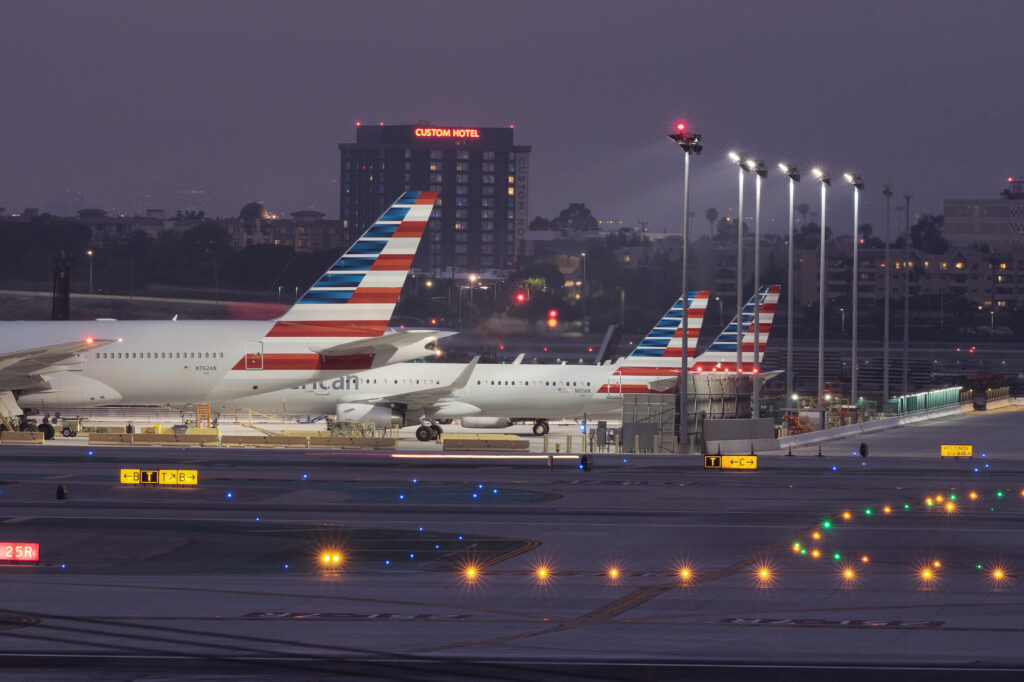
357 295
660 353
720 356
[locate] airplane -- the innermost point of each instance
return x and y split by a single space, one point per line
339 325
488 396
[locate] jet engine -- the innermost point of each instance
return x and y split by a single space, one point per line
486 422
360 413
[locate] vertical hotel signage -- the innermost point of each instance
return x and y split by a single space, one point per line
520 201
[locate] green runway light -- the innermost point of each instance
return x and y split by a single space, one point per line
826 525
906 506
999 493
803 550
979 567
952 497
867 512
837 556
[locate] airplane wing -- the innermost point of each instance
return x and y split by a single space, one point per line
24 368
407 342
429 396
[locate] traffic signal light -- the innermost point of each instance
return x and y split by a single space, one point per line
520 297
553 318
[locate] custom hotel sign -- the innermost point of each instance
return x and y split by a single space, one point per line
463 133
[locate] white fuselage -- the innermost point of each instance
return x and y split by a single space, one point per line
512 391
168 362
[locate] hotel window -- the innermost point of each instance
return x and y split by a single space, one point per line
487 225
461 189
488 179
511 191
488 156
461 167
487 203
408 153
488 190
488 168
512 181
435 188
437 177
462 155
462 178
436 154
461 213
436 166
460 226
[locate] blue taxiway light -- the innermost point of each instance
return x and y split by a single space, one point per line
401 497
421 529
229 494
415 480
90 453
411 555
305 476
460 537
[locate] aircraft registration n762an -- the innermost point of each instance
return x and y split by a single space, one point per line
338 326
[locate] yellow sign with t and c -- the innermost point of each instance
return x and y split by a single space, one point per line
739 461
159 476
957 450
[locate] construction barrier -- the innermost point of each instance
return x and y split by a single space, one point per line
352 442
173 439
102 429
110 439
506 444
213 433
21 437
264 441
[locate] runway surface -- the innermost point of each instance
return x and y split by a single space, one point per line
641 568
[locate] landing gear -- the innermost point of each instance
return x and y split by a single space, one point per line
540 428
427 432
68 432
47 430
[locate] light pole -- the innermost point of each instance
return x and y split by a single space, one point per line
760 171
822 177
586 327
885 341
858 185
842 328
992 326
906 302
690 143
472 285
793 173
741 162
89 254
721 315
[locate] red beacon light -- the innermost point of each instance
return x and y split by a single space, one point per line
680 127
520 297
89 340
358 123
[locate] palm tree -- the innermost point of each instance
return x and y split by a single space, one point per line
712 215
802 209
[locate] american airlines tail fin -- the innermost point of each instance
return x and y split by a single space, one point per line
357 295
720 356
665 340
660 353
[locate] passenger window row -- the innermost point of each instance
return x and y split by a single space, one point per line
157 356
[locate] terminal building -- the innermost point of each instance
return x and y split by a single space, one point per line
482 180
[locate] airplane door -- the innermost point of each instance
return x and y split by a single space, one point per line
254 355
614 386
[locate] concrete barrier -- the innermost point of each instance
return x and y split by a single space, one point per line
21 437
265 441
486 444
352 442
110 439
172 439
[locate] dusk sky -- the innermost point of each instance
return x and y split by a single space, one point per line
138 104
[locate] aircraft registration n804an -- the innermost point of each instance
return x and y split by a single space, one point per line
338 326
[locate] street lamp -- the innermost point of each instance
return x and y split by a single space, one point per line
721 315
760 171
906 302
887 191
842 328
690 143
586 327
823 177
89 254
858 185
793 173
741 162
472 285
992 325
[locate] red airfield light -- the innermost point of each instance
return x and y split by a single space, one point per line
520 297
680 126
358 123
501 347
553 313
1009 179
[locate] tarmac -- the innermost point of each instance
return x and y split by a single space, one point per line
643 567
